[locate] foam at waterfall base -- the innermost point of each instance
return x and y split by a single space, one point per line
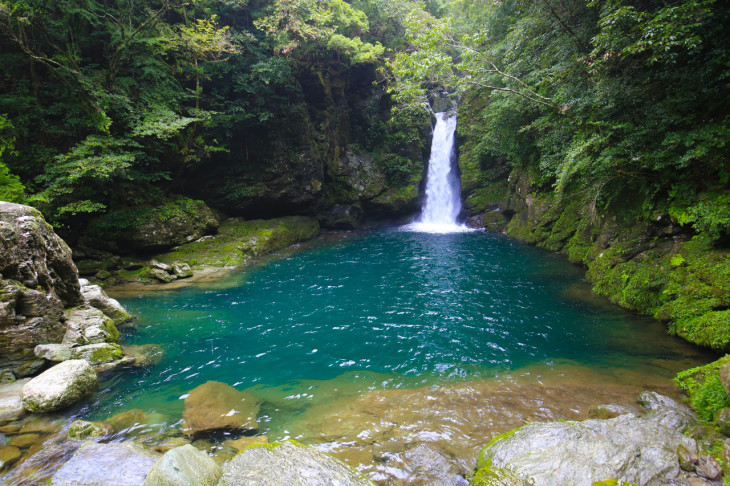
438 228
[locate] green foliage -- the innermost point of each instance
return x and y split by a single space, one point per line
704 388
11 189
710 215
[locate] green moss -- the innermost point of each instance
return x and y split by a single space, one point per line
704 388
484 198
485 460
613 482
497 477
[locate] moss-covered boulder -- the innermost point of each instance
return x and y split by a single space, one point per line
216 406
151 228
288 463
82 429
60 386
97 298
87 325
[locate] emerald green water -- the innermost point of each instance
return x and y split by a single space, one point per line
401 309
368 344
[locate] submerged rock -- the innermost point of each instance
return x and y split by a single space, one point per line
60 386
81 429
217 406
114 464
634 449
145 354
97 298
184 466
289 463
427 464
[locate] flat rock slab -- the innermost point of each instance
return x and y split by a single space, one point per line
114 464
184 466
291 464
217 406
60 386
637 450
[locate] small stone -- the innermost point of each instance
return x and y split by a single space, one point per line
608 411
687 457
707 467
9 454
243 442
171 444
53 352
145 354
182 270
722 421
102 274
11 429
162 275
184 466
160 266
81 429
24 441
6 376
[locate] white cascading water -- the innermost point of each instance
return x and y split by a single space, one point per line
443 188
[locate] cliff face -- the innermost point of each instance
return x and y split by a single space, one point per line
38 280
651 265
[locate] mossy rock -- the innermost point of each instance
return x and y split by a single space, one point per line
498 477
152 228
704 388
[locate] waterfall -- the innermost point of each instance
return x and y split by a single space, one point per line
443 188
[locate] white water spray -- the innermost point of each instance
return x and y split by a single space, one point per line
443 188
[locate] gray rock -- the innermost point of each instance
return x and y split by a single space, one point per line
6 376
427 464
59 387
633 449
184 466
707 467
722 421
113 365
182 270
31 253
81 429
87 325
114 464
725 377
84 282
96 297
53 352
160 266
667 411
291 464
30 367
162 275
11 404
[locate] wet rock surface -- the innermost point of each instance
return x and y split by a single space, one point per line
291 464
184 466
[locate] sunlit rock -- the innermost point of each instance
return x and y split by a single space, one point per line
96 297
59 386
87 325
11 404
291 464
217 406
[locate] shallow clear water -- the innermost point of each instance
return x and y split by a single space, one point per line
446 336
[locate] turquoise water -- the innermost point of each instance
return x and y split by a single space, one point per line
385 309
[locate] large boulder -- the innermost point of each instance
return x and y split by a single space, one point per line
60 386
87 325
289 463
28 317
633 449
151 228
217 406
32 254
96 297
114 464
184 466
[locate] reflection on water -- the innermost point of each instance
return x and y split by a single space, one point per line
370 345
